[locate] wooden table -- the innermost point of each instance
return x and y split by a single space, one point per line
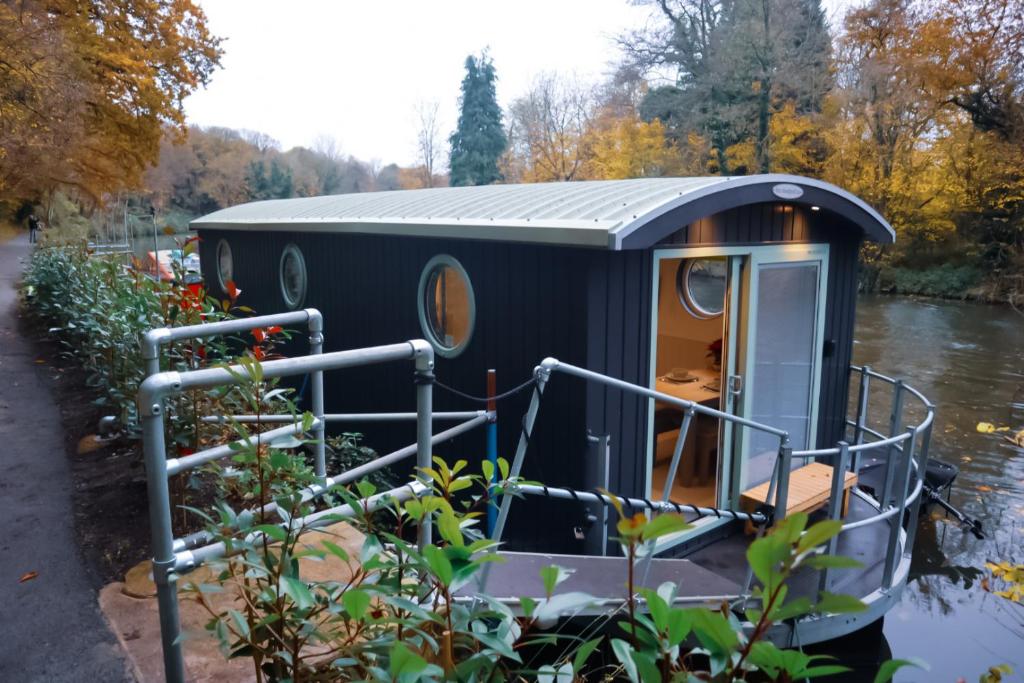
693 391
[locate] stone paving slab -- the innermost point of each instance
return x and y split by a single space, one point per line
136 621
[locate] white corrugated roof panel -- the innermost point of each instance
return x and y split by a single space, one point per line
588 213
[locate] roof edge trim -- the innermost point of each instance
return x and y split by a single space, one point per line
633 235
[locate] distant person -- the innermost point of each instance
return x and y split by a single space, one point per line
33 228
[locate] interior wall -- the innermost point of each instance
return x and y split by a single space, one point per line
682 338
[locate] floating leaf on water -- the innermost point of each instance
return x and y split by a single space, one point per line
983 487
986 427
28 576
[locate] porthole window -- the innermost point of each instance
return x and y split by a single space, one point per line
225 265
293 276
700 283
447 308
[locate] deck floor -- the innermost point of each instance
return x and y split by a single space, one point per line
727 557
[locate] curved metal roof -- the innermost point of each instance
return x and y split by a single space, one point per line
600 213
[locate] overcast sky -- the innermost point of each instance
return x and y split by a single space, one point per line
355 70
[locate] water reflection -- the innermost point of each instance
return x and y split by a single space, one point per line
969 360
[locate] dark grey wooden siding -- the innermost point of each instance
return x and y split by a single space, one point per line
531 303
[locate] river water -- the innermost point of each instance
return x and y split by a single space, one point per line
969 360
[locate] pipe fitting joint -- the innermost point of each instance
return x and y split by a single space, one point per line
152 340
154 389
423 354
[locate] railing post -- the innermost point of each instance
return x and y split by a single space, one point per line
922 467
316 348
541 375
863 394
782 493
678 451
162 535
424 378
892 558
492 446
895 422
835 503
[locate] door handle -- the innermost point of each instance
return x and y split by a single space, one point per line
735 384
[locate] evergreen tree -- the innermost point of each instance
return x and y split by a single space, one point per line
738 63
278 185
479 138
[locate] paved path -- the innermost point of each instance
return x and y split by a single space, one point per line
51 629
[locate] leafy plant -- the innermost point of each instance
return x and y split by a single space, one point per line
412 611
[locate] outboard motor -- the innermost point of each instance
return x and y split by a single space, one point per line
938 479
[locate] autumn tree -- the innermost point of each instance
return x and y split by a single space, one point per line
428 143
88 89
479 137
548 130
737 63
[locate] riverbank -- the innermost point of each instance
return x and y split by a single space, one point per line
946 282
52 628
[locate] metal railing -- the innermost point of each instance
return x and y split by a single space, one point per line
904 449
173 557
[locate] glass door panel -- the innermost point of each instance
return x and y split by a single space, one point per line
783 357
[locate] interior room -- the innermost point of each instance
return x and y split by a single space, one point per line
688 364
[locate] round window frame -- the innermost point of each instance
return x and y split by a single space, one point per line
683 290
421 305
293 249
224 245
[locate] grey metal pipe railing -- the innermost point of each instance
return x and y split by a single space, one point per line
153 339
677 451
187 462
344 417
187 560
332 482
160 385
558 366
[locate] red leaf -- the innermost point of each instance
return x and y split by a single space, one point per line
28 576
259 334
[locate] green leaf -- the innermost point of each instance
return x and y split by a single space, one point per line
765 554
818 534
448 526
528 605
335 550
664 524
792 609
405 662
241 625
624 653
646 667
714 632
298 591
355 602
273 531
833 603
824 670
583 653
889 668
439 564
832 562
552 575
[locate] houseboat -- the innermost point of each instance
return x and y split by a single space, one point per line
688 343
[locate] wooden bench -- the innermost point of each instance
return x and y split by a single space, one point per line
809 489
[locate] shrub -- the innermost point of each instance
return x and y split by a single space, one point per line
947 281
396 616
